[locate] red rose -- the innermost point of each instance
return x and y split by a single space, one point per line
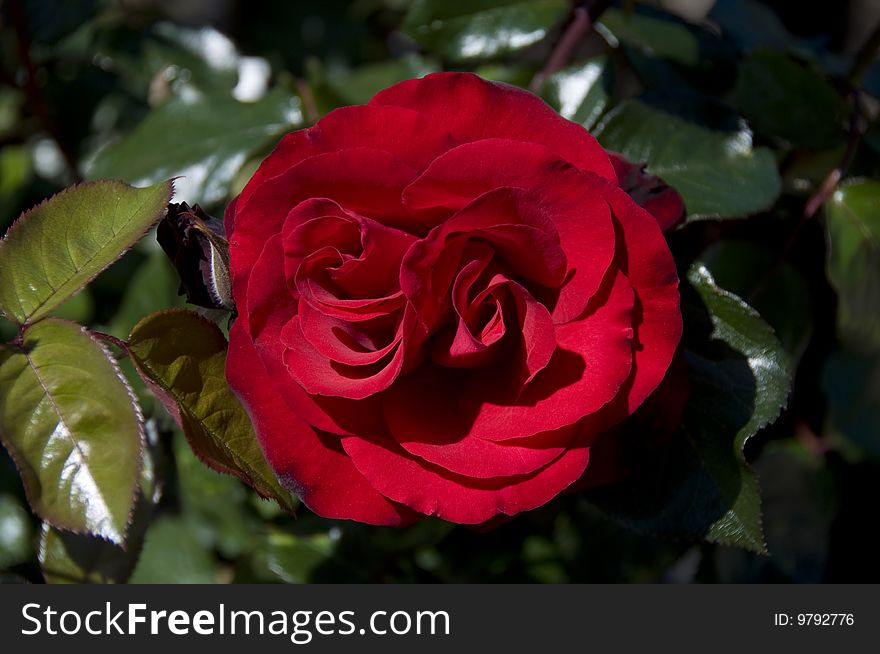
444 297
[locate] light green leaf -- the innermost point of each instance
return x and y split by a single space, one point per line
57 247
203 139
581 93
68 558
291 558
853 224
467 30
182 357
70 423
699 147
173 555
16 544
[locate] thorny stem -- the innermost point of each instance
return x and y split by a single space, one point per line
583 19
32 88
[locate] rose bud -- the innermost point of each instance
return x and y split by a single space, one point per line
196 244
446 304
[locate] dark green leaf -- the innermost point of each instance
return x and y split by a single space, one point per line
203 139
733 396
852 388
789 101
57 247
70 422
662 35
182 357
466 30
700 148
581 93
771 285
853 223
699 485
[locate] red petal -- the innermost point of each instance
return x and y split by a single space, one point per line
649 191
593 360
415 139
651 270
565 195
432 490
471 109
368 182
269 308
308 463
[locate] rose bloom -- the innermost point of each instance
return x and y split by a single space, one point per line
444 299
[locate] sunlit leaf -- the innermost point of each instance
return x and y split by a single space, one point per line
700 148
70 422
853 223
182 357
57 247
465 30
203 139
582 92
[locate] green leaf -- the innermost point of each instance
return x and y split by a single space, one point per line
57 247
182 357
581 93
291 558
698 146
769 284
215 505
16 544
70 423
699 485
336 88
753 370
67 558
852 388
468 30
662 35
853 224
173 555
203 139
789 101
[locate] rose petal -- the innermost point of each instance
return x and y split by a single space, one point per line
649 191
433 491
416 139
269 308
565 195
363 180
310 464
470 108
593 360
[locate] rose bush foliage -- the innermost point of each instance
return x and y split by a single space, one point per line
446 299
